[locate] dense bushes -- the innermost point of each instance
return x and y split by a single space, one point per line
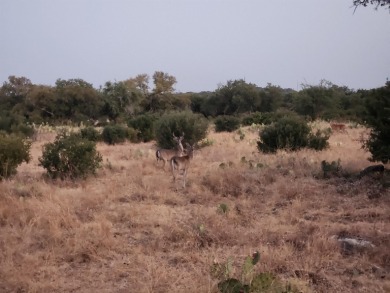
378 113
194 127
291 133
14 150
226 123
113 134
90 133
144 125
70 156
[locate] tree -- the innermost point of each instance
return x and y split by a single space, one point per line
378 117
40 104
316 101
377 3
237 96
161 98
76 100
14 91
163 83
271 98
117 97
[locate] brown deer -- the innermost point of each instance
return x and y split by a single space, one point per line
167 154
338 127
182 163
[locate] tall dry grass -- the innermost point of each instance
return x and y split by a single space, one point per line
129 230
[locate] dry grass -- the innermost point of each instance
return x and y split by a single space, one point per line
128 230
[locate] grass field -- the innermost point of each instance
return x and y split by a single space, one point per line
131 229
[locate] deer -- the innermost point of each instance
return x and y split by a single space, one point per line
338 127
167 154
182 163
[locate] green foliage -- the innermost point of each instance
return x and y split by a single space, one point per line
13 123
290 133
223 208
14 150
287 133
332 168
70 156
250 281
194 127
144 124
113 134
378 113
319 140
226 123
254 118
90 133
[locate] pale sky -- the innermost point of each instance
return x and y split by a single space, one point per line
203 43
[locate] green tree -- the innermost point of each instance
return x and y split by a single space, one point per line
378 117
40 104
271 98
161 98
14 91
316 101
163 83
238 96
194 127
76 100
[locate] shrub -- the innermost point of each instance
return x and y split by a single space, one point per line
14 150
70 156
319 140
23 129
90 133
144 124
332 168
249 281
254 118
291 133
113 134
194 127
226 123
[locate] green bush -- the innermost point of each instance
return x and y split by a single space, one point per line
70 156
319 140
250 280
332 168
194 127
90 133
144 124
290 133
254 118
377 117
226 123
14 150
113 134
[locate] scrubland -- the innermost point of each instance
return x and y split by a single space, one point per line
131 229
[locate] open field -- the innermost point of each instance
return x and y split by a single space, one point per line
129 230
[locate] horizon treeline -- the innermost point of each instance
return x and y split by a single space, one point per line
74 101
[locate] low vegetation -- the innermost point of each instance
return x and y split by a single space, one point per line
14 150
70 157
129 230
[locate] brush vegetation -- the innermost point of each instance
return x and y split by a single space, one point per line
129 230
